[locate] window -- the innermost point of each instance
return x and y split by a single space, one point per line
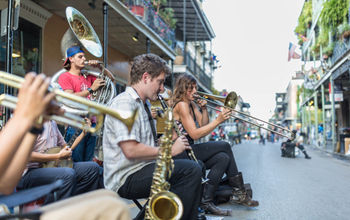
26 54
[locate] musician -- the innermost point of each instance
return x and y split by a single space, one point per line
18 137
73 81
19 134
216 155
129 158
83 177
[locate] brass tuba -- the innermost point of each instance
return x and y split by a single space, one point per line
163 204
81 33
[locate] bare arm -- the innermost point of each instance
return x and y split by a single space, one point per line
41 157
15 169
84 93
182 112
135 150
11 138
16 143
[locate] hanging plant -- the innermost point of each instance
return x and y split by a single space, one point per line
334 13
167 14
305 19
323 38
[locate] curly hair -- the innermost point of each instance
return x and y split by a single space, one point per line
150 63
183 83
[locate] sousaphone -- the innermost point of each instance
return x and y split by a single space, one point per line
81 33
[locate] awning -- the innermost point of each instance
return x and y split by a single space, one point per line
198 27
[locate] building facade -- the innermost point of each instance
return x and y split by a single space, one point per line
125 28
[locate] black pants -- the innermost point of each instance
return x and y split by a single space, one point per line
185 182
217 156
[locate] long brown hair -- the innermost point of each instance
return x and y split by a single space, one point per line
183 83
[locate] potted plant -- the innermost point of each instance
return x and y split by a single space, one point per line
179 59
167 14
344 30
137 8
158 3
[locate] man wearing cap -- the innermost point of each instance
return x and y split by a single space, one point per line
73 81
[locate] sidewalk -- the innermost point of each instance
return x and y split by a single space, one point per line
329 151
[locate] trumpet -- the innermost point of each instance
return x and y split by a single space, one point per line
61 97
230 102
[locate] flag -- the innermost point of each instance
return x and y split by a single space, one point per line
302 37
292 53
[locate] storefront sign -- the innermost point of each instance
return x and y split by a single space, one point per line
338 96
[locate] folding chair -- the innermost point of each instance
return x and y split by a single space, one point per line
26 196
141 214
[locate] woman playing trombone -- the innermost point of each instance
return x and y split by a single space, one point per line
216 155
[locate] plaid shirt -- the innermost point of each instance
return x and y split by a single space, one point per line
117 167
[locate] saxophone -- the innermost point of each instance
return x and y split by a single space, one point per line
163 204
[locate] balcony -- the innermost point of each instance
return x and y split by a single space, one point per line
144 10
197 71
340 49
191 67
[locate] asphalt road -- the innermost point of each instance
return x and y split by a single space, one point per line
291 188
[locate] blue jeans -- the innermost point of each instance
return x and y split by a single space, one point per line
85 149
84 177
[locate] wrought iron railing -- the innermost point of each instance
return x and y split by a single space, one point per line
197 71
340 48
144 10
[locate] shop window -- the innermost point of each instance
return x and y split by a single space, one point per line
26 55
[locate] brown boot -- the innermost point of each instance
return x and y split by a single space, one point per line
207 203
239 194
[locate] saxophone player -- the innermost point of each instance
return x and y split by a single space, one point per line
73 81
129 158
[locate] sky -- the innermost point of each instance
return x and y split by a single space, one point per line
251 44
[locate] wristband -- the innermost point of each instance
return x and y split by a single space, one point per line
35 130
90 90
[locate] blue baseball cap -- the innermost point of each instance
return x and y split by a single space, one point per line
71 52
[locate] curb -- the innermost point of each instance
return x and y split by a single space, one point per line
334 154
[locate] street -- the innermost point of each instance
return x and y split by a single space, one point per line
290 188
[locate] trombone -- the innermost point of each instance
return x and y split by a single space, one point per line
230 102
74 120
